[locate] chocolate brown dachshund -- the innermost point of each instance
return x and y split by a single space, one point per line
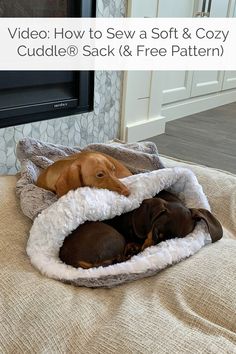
93 244
158 219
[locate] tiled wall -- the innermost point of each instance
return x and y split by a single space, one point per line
101 125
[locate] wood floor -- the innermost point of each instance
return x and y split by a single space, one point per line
207 138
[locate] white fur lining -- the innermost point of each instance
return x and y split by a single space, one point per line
57 221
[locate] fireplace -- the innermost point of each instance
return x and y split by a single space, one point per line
28 96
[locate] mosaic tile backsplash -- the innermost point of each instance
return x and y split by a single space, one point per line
101 125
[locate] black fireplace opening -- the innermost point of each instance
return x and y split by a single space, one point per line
29 96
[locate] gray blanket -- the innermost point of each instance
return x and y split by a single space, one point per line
35 155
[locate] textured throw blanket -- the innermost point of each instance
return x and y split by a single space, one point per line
57 218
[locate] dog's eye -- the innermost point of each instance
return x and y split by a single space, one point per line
100 174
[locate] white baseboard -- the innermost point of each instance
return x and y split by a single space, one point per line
145 129
197 104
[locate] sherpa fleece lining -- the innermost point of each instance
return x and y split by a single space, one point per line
57 221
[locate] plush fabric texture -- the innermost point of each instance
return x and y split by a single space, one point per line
58 218
220 189
35 155
187 308
56 222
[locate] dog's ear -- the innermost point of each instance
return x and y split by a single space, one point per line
69 179
144 217
214 226
120 170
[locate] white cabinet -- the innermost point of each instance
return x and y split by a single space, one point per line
220 8
139 8
176 85
229 80
168 8
150 99
180 85
205 82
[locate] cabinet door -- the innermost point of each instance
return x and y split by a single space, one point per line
205 82
229 80
168 8
230 76
176 85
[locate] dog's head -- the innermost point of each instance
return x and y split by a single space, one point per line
92 170
171 219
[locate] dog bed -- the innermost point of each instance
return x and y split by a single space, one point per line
57 221
54 219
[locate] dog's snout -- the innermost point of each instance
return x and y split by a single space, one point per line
125 192
117 186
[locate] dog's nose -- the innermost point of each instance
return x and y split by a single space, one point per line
125 192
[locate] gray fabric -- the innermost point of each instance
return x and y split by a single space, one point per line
110 281
35 155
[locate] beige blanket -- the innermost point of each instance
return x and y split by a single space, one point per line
188 308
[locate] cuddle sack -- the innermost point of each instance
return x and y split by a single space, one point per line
54 219
57 221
